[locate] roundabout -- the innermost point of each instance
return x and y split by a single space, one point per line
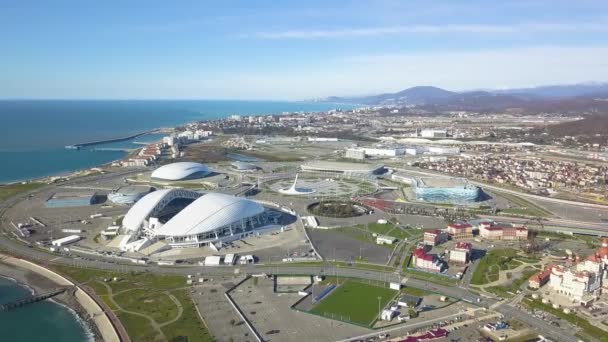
341 209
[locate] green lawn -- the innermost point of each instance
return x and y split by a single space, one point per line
430 277
355 302
188 327
7 191
144 293
413 291
508 290
155 304
138 328
494 261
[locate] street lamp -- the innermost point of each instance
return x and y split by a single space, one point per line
379 306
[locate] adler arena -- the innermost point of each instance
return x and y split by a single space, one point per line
184 218
180 171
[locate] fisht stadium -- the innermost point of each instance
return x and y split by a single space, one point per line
184 218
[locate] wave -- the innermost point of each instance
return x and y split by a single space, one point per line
90 336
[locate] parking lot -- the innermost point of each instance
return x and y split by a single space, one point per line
271 315
338 246
221 319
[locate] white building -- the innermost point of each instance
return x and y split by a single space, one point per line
383 152
461 252
429 262
433 133
180 171
581 282
316 139
355 153
207 219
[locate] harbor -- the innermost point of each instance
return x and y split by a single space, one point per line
106 141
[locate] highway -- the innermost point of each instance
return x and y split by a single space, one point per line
553 222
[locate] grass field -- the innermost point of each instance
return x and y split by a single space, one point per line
7 191
508 290
146 294
414 291
355 302
156 304
494 261
430 277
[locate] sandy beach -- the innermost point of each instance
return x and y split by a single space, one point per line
37 279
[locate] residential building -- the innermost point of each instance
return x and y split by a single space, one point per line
429 262
460 230
541 278
502 231
461 253
435 237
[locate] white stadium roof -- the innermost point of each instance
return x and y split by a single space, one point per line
177 171
143 208
208 213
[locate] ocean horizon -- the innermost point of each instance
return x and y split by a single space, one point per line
33 133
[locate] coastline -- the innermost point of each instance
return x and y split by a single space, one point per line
39 279
70 173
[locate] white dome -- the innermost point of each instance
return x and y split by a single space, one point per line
209 212
150 203
180 171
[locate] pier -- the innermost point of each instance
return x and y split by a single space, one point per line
91 143
31 299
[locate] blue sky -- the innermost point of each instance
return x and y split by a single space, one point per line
294 49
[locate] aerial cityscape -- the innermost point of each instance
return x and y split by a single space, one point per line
319 171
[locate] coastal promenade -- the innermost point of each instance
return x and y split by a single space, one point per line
108 331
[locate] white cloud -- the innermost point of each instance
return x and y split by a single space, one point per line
358 32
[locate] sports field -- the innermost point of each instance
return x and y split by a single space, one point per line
355 302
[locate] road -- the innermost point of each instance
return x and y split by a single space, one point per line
553 222
542 327
452 291
42 257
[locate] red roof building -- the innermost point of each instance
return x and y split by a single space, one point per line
460 230
541 278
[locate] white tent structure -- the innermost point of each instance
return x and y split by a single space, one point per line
294 190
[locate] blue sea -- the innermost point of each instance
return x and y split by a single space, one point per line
33 133
40 321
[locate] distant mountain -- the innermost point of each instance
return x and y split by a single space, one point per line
414 95
477 100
